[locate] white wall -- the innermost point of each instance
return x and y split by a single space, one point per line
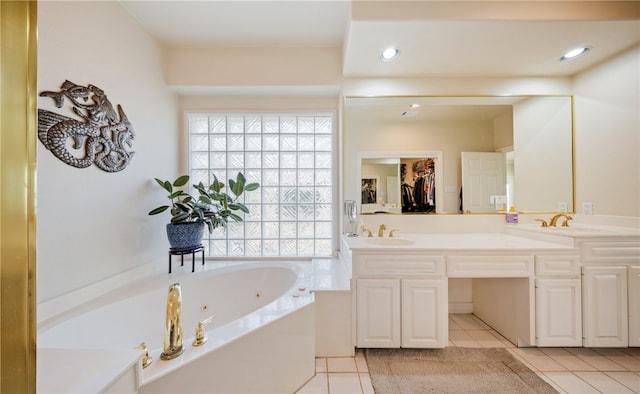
93 225
543 163
607 126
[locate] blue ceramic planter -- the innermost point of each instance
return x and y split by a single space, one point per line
185 235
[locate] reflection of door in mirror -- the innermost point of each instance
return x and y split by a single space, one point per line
484 180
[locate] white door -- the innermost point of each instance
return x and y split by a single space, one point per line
634 306
558 312
604 305
378 313
424 313
483 176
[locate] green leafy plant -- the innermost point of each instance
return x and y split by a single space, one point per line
213 205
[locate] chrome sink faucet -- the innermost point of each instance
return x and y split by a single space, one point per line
381 230
552 222
173 346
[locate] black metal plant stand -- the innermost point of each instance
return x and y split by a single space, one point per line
182 251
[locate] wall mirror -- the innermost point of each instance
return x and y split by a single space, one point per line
487 153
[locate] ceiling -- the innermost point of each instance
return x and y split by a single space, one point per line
436 38
431 108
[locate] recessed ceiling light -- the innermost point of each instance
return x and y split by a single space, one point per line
414 106
574 53
390 54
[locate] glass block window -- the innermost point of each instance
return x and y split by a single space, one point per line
290 155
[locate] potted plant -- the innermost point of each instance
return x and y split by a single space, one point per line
212 206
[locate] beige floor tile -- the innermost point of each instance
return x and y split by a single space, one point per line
621 358
551 382
630 380
502 339
361 362
485 338
603 383
538 360
632 351
522 360
596 359
481 325
453 325
365 382
344 383
570 383
321 364
341 364
319 384
568 360
462 339
568 370
469 322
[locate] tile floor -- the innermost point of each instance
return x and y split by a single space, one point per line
568 370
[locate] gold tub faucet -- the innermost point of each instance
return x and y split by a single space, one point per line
363 228
392 232
201 334
381 230
146 359
173 346
552 222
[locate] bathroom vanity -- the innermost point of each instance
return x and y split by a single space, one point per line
610 278
534 290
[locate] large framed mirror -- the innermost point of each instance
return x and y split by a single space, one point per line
528 139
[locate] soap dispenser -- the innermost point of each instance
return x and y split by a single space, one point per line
512 215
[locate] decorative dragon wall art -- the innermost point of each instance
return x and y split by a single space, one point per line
102 135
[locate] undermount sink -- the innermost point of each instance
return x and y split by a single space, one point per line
389 241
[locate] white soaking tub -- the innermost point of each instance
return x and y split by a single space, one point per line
261 339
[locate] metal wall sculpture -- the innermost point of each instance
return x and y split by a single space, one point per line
104 137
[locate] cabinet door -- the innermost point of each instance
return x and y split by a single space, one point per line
558 312
604 304
424 313
378 313
634 306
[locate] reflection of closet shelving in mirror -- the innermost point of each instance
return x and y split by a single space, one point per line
531 127
418 185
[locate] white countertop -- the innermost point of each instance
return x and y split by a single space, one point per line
473 242
576 231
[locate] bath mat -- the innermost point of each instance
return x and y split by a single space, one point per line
451 370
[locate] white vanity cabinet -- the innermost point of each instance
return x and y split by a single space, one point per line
610 287
633 276
401 301
605 307
558 301
378 313
527 290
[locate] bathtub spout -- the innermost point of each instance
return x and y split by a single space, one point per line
173 346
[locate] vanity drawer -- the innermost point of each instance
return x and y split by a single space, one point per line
611 251
489 266
558 266
394 266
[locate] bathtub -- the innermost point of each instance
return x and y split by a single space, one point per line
260 340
